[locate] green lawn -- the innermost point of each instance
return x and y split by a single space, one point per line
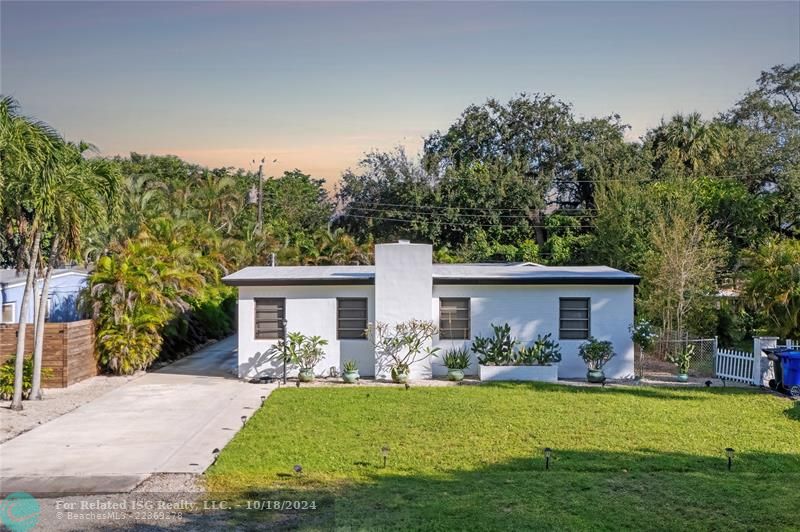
471 457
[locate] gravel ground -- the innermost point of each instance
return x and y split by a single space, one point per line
56 402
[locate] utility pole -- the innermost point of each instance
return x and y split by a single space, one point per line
261 194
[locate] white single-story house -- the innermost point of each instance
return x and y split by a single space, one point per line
464 300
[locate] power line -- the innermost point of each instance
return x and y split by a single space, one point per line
459 215
444 207
445 222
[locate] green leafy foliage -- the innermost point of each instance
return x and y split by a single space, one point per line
7 377
773 285
544 351
596 353
495 350
643 334
350 366
682 359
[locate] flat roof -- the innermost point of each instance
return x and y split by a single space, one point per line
475 273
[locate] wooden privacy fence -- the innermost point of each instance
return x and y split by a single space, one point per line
68 350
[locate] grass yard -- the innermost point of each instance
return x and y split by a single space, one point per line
470 457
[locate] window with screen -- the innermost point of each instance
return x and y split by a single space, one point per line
454 318
573 318
270 314
351 318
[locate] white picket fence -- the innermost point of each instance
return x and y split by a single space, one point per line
734 365
750 368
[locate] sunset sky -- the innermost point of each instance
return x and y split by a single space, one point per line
317 85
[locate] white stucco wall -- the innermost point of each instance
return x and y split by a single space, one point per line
403 288
532 310
310 310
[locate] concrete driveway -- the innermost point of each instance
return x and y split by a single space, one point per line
168 421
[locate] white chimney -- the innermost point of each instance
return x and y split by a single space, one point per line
404 290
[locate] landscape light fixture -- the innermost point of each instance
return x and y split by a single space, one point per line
215 454
548 452
729 451
385 454
263 398
298 469
244 420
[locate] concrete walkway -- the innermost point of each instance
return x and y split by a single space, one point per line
168 421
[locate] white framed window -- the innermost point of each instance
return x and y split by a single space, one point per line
8 312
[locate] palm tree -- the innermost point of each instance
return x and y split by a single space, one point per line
81 189
28 151
690 143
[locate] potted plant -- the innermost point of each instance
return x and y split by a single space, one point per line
682 359
403 344
306 352
456 361
350 372
596 354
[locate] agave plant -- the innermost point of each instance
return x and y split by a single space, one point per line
456 359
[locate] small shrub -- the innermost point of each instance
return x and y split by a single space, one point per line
497 350
456 359
403 344
7 378
595 353
643 334
350 366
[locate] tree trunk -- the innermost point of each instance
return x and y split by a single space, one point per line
38 342
19 368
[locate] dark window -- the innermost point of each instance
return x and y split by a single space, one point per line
270 314
573 317
454 318
351 318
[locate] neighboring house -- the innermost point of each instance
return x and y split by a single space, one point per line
338 302
62 298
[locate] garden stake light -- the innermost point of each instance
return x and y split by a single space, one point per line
298 469
244 420
385 454
263 398
729 451
547 454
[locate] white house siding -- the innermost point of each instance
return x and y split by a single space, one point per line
310 310
534 309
